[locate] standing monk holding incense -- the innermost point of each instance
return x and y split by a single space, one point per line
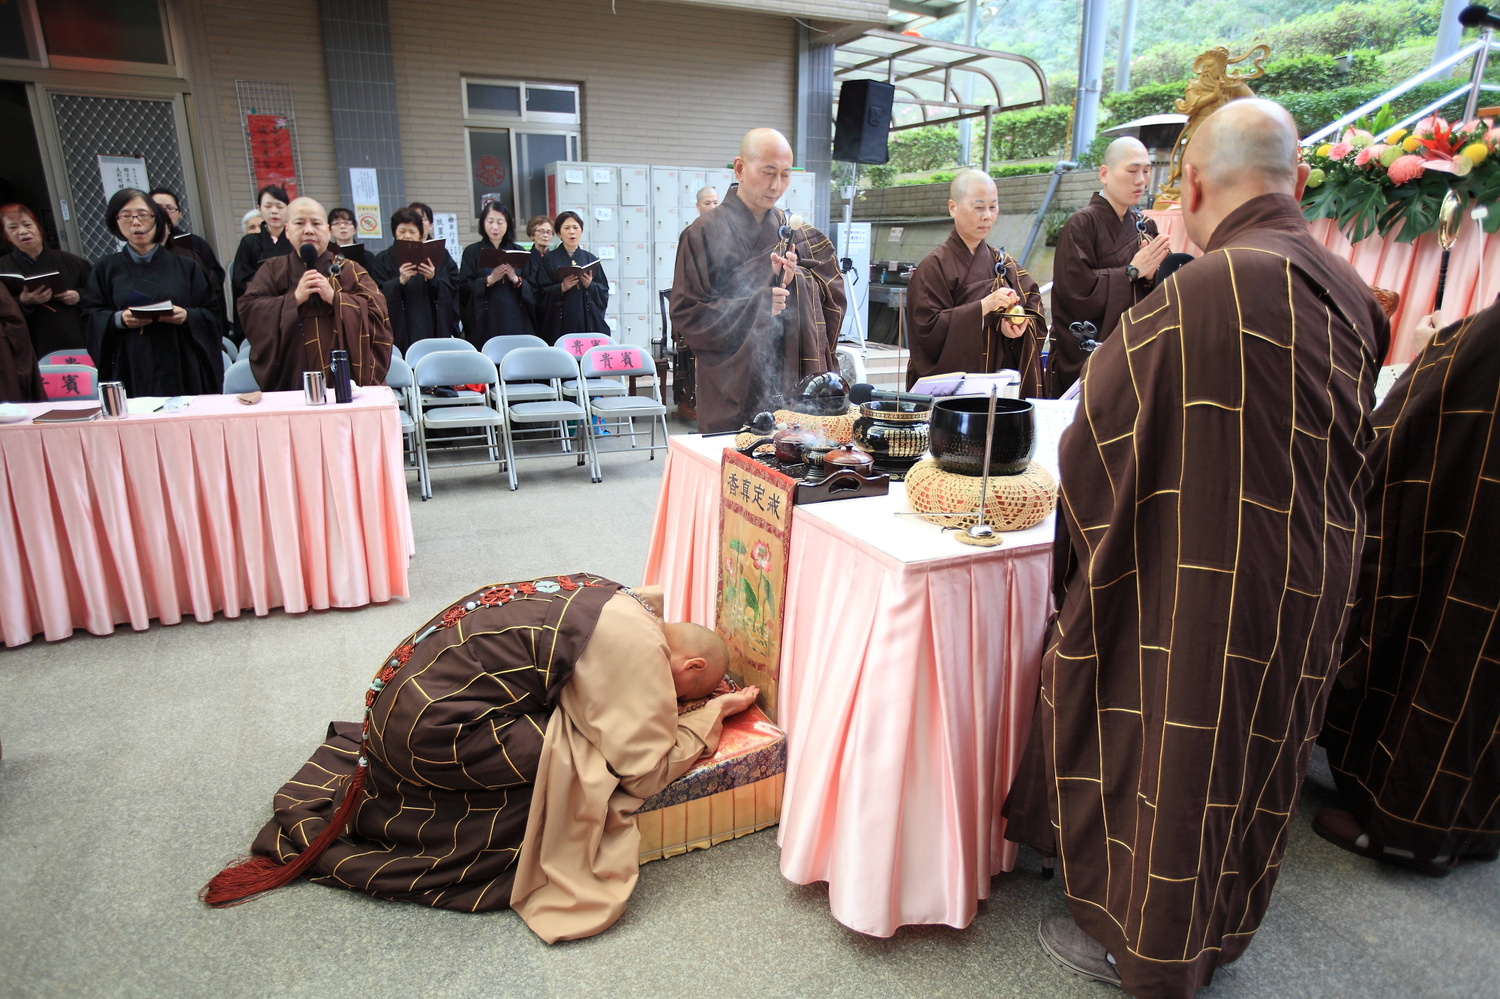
1106 261
1209 536
295 315
971 307
759 300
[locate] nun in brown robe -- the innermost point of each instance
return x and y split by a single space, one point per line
960 291
287 339
20 381
1209 532
750 358
507 743
1412 723
1090 280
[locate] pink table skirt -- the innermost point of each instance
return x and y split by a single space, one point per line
220 507
1409 269
909 674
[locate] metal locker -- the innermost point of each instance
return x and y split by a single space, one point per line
635 224
604 185
691 181
665 264
636 330
572 190
635 295
663 186
799 194
603 223
635 260
609 256
667 222
721 179
635 186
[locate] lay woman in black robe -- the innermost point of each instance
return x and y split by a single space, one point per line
162 357
539 231
422 306
498 301
54 322
258 247
578 308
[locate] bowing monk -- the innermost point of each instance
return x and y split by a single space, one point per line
971 307
294 315
1209 533
758 301
1106 260
1411 723
505 745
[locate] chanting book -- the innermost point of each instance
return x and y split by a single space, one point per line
351 251
16 283
68 415
568 270
434 252
151 310
966 383
490 258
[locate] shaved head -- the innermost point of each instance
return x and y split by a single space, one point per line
1246 149
970 182
699 659
763 169
307 222
761 143
1122 149
304 204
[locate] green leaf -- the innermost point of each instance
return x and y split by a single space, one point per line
750 599
735 544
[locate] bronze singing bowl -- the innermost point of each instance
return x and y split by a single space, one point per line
957 431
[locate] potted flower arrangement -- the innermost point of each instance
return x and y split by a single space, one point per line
1395 185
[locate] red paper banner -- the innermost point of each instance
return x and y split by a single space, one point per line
271 152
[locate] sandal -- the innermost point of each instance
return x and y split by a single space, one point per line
1343 830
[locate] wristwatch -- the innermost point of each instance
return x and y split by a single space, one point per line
1132 272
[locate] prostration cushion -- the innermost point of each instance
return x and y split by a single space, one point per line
1015 502
750 749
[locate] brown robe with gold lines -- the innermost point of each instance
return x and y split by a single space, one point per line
949 334
747 359
1413 725
559 686
1089 283
287 339
1209 532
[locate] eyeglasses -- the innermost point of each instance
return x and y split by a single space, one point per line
125 218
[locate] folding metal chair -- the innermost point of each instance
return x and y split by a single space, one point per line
577 344
423 348
239 378
79 356
227 360
549 365
496 347
69 381
456 367
399 379
624 361
230 347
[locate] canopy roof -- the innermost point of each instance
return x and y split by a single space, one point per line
930 76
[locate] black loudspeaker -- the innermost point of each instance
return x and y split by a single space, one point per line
863 130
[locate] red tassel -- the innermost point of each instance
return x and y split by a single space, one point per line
253 876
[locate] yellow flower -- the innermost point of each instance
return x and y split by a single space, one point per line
1410 144
1324 149
1396 136
1476 151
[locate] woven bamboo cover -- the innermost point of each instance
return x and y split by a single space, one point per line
1015 502
838 429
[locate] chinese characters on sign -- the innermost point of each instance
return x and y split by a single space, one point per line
271 152
445 227
364 189
117 172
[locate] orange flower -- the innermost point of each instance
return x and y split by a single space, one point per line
1407 168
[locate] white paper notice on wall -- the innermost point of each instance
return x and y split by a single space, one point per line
606 253
896 233
601 175
445 227
571 176
117 172
364 190
604 214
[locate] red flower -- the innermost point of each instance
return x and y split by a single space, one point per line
369 698
528 589
566 583
403 654
386 674
1407 168
453 615
490 598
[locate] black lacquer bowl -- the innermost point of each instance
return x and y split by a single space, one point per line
958 429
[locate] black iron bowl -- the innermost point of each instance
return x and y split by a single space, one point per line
958 430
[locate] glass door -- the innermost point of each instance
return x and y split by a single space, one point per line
490 173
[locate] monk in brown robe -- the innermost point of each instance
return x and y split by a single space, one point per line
507 743
759 301
1106 260
1209 532
1412 722
294 316
970 307
20 380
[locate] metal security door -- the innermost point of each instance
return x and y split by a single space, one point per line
88 127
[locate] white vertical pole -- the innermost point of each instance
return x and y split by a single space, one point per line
1090 73
1127 46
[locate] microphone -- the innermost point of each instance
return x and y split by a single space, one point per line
1475 16
1171 264
309 255
862 392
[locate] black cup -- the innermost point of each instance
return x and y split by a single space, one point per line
958 429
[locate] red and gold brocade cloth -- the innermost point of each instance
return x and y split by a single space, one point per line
751 749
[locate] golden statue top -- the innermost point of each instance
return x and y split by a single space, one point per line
1214 86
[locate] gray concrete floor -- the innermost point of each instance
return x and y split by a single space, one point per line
135 765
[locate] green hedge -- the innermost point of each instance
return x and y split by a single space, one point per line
1154 98
1024 135
1314 110
924 148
